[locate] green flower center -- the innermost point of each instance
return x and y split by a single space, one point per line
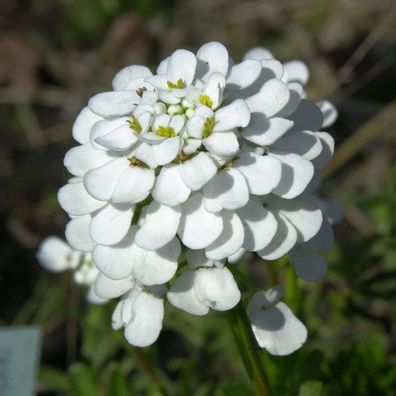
166 132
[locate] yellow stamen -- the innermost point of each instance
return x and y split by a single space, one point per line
135 124
208 127
180 84
136 162
165 131
141 90
206 101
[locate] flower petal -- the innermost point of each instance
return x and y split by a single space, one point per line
260 225
120 139
101 182
323 241
198 227
243 74
234 115
75 200
330 113
258 53
296 91
224 144
115 262
262 173
167 150
156 267
182 64
271 99
105 127
114 103
197 171
296 71
130 77
307 117
134 185
264 131
105 287
230 240
159 226
227 190
216 288
296 174
309 266
83 124
182 295
53 254
284 240
212 57
78 160
326 154
146 323
278 330
77 233
302 213
304 143
111 224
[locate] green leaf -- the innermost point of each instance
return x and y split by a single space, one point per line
82 381
118 383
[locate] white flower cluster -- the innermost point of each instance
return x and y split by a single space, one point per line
181 172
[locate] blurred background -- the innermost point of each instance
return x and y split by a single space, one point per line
54 55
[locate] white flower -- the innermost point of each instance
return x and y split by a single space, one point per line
274 324
205 160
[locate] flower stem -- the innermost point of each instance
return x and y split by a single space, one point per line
245 341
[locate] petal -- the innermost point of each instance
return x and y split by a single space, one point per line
304 143
283 241
156 267
114 103
75 200
224 144
115 262
197 258
134 185
159 226
129 76
109 288
216 288
167 150
302 213
330 113
120 139
197 171
111 224
264 131
327 150
102 128
258 53
195 127
296 71
234 258
323 241
158 81
182 64
144 153
296 91
272 98
83 124
169 188
307 117
263 300
191 146
234 115
278 330
309 266
227 190
146 323
79 160
243 74
182 295
53 254
296 174
198 227
101 182
260 225
262 173
230 240
77 233
212 57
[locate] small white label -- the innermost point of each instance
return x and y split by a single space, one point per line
19 357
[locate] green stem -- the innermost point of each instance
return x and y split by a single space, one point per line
245 341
